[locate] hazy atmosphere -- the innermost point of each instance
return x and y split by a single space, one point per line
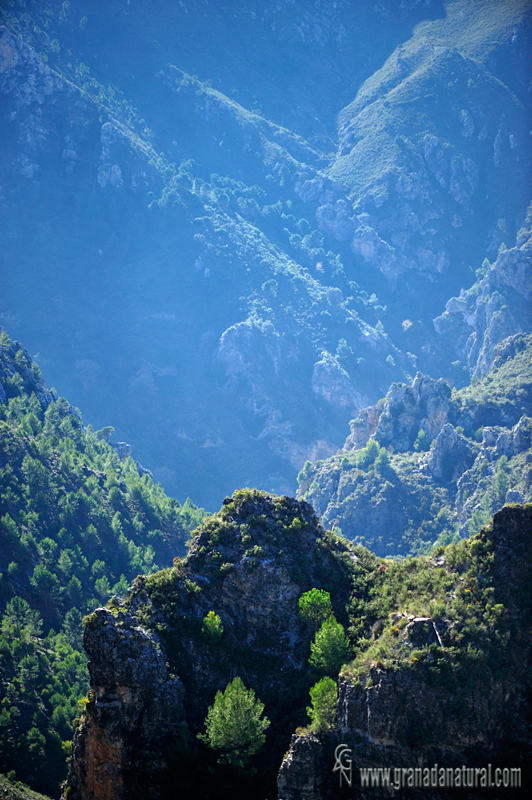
229 227
281 246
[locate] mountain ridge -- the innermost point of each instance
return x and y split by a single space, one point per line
258 230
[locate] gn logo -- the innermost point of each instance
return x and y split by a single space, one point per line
343 763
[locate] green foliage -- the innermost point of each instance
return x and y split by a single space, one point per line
41 681
368 454
330 647
105 433
421 443
77 525
212 628
234 724
322 712
315 607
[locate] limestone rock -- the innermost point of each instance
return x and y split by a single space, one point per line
250 565
332 382
452 455
123 449
135 710
424 405
403 718
336 220
495 308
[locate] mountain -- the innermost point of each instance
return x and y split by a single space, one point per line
228 228
232 231
77 524
438 659
430 464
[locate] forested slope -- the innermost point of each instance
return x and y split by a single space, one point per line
238 224
77 524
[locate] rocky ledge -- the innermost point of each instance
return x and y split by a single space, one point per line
433 702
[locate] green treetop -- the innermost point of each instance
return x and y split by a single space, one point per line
315 607
234 726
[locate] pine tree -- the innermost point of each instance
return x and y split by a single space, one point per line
323 710
315 607
330 647
234 726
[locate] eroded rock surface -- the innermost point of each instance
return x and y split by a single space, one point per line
133 714
154 670
409 716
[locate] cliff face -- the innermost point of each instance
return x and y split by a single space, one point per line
133 714
441 673
415 712
154 670
442 471
494 308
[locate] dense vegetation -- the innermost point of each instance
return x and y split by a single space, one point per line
76 525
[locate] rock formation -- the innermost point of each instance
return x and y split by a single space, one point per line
134 713
411 715
493 309
450 687
154 671
444 448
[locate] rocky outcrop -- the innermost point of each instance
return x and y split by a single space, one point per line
154 671
451 477
332 382
133 713
408 717
493 309
16 366
451 456
424 405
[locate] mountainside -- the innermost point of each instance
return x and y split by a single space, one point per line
235 232
440 649
77 524
443 689
228 228
429 464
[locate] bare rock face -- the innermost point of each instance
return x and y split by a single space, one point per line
301 774
452 455
424 405
135 708
332 382
495 308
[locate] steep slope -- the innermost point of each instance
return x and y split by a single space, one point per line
429 464
443 689
248 564
496 306
210 265
432 141
77 524
17 791
441 668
